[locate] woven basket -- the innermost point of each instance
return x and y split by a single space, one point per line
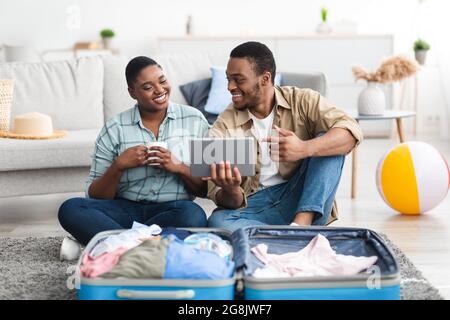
6 96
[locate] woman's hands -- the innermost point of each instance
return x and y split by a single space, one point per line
164 159
132 157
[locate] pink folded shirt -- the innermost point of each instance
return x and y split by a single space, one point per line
316 259
94 267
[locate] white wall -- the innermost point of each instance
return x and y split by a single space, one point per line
49 23
52 24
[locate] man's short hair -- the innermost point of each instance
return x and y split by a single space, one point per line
135 66
258 54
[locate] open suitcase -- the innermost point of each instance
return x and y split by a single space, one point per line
384 283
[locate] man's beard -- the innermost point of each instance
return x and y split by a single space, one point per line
256 95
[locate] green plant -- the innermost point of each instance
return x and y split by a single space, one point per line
421 45
107 33
324 14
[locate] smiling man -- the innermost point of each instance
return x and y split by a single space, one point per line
124 183
302 140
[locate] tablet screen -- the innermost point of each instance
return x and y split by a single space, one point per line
240 152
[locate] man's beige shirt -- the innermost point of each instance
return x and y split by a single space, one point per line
302 111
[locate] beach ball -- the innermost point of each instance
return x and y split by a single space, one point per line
413 177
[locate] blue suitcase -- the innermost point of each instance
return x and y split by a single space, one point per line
359 242
383 283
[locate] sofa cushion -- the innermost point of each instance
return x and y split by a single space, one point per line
219 97
315 81
70 91
74 150
196 93
44 181
116 98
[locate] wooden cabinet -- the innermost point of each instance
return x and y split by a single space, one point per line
334 55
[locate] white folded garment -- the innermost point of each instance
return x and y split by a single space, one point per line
126 239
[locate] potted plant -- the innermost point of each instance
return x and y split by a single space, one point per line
420 50
323 27
371 100
107 35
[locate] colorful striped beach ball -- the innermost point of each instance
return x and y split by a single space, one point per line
413 177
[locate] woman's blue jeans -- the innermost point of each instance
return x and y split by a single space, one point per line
84 218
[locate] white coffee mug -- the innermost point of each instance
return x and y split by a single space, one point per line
155 144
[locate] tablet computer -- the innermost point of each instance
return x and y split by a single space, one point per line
206 151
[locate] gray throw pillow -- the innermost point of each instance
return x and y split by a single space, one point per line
196 93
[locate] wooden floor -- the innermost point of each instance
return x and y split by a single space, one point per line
425 239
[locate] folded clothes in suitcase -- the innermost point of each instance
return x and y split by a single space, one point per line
101 288
379 282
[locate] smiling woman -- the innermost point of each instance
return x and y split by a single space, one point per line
152 185
148 85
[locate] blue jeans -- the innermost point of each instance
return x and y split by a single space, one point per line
311 189
84 218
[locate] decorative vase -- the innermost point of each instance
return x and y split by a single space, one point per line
323 28
107 43
189 25
6 96
421 56
371 101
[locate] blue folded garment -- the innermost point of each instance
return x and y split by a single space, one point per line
186 262
179 233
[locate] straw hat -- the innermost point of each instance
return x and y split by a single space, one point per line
33 125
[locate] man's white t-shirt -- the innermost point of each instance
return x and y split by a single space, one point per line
269 168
